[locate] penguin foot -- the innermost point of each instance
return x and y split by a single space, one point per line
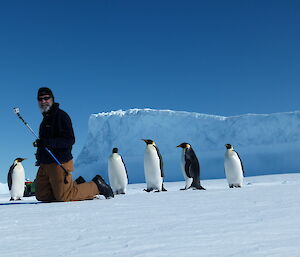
163 188
11 199
198 187
236 186
120 192
183 189
148 190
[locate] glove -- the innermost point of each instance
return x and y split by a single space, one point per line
36 143
37 163
39 143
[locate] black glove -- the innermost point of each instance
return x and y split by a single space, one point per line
37 163
39 143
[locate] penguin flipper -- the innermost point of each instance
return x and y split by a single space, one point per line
124 167
194 171
241 163
161 163
187 168
9 175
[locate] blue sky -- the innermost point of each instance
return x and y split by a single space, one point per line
215 57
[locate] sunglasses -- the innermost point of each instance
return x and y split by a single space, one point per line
46 98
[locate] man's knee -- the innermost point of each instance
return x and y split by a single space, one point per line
44 196
62 198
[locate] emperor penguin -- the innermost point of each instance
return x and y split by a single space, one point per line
153 167
190 167
117 173
16 179
234 169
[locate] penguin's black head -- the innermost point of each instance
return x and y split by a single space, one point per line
184 145
148 141
115 150
20 159
228 146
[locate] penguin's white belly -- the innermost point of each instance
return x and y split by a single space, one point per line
188 181
233 170
18 182
117 174
152 169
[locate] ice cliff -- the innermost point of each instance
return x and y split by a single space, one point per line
267 143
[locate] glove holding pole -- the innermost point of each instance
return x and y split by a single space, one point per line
39 143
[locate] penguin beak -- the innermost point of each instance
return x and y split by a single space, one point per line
20 159
145 140
178 146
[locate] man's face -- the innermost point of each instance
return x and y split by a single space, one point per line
45 102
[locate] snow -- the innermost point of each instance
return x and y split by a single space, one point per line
260 219
265 142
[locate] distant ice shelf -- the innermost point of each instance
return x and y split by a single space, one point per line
265 142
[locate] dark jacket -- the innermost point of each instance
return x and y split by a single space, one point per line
56 133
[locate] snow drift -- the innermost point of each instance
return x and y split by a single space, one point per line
264 142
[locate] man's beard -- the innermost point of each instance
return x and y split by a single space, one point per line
45 107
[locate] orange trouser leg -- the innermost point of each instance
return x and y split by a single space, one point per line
70 191
43 190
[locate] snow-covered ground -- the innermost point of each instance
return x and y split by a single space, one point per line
260 219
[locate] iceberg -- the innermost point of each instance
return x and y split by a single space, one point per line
266 143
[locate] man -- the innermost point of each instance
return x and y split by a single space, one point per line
56 133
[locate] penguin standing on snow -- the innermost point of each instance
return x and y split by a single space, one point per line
117 173
234 169
190 167
16 179
153 167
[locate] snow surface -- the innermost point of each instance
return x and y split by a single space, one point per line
261 219
265 142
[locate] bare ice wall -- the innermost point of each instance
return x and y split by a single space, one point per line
268 143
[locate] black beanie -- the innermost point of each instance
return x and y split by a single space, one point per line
45 91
